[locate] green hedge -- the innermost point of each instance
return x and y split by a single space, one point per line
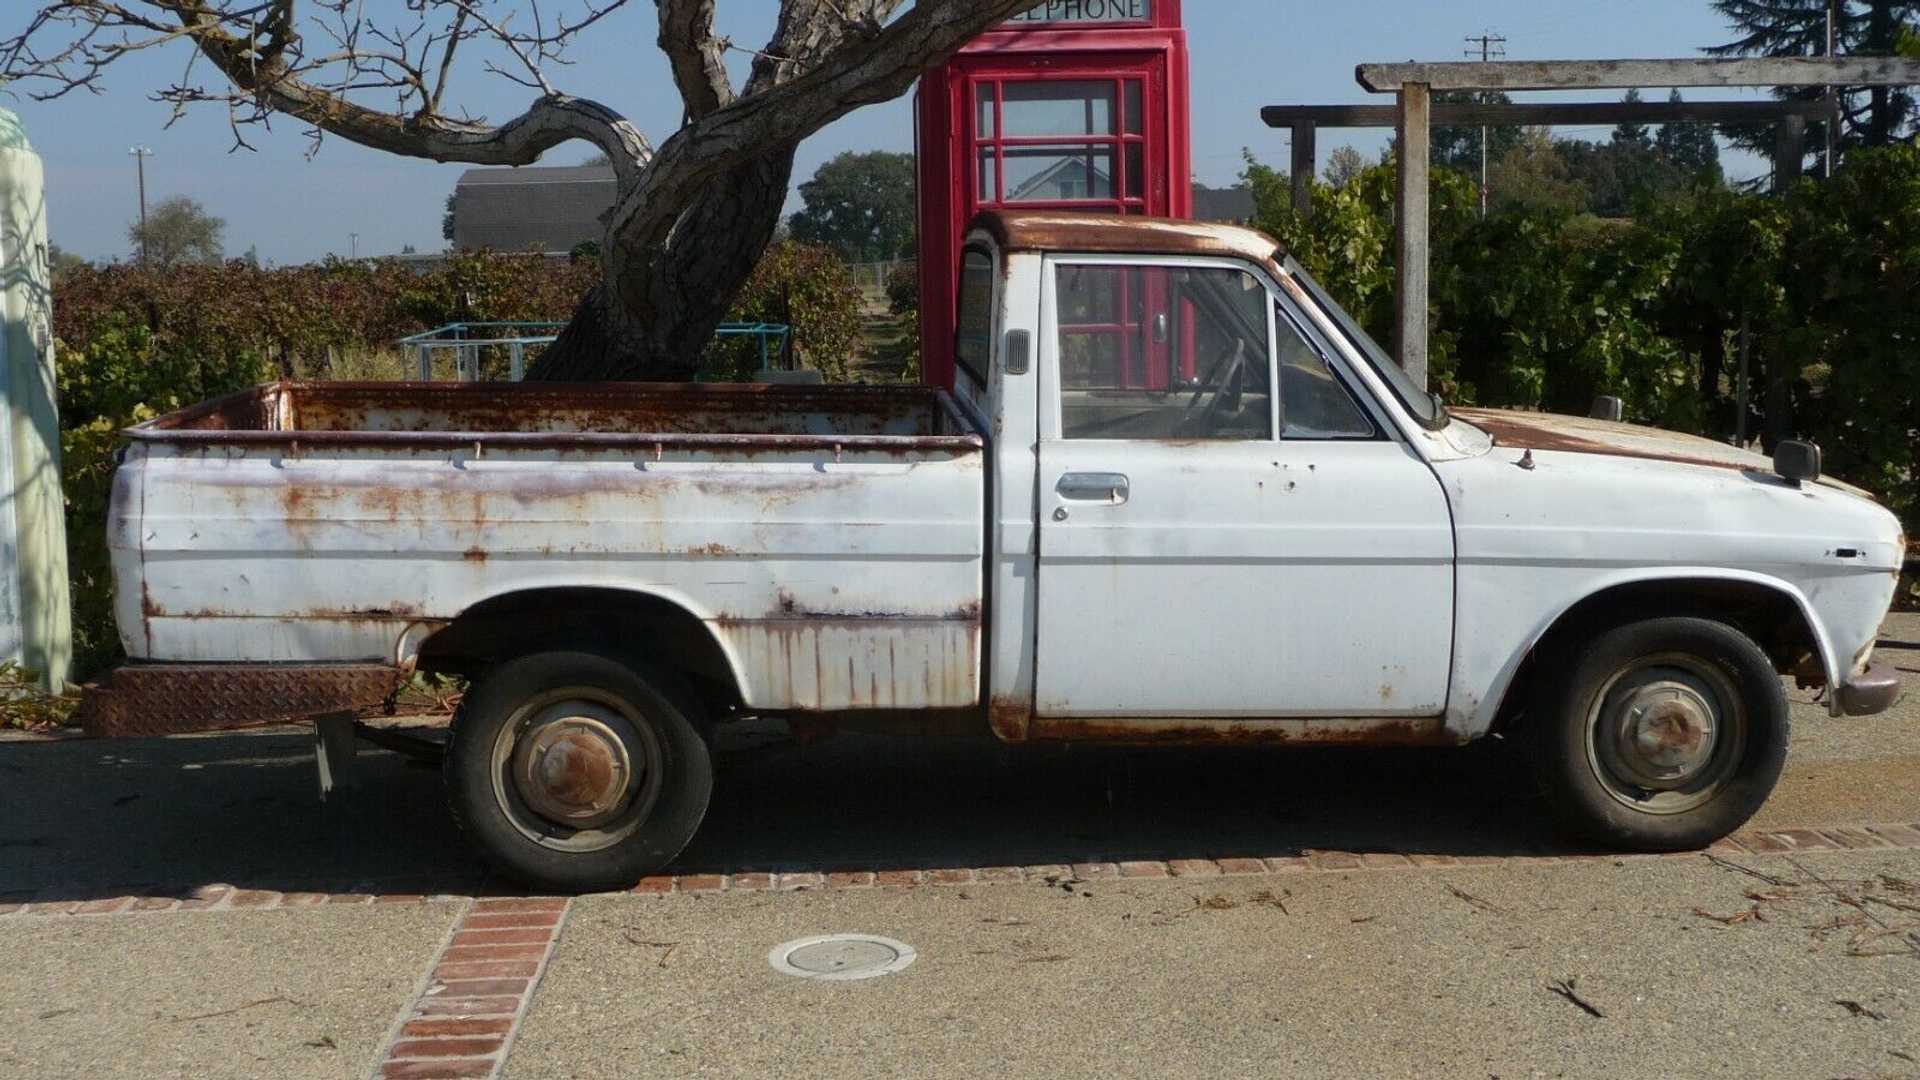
134 343
1533 309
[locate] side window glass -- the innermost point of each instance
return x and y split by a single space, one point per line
1313 402
1163 352
973 336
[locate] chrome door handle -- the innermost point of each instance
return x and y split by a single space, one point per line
1113 489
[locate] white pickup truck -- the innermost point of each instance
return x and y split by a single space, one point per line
1178 497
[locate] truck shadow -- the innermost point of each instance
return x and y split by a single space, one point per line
83 820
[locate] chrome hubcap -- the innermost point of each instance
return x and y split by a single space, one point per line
574 771
1666 734
577 770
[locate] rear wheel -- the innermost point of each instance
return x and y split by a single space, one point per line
1663 735
577 772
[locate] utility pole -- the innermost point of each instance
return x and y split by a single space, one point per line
1490 49
140 156
1833 95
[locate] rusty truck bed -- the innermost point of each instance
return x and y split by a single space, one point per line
573 416
300 547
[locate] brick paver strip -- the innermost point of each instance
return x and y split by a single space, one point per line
1761 843
474 954
468 1008
427 1029
1805 840
1194 868
438 1070
1900 835
1856 839
508 928
464 1020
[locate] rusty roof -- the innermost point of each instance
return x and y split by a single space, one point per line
1115 234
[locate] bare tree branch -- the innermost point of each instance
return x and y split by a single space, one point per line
697 57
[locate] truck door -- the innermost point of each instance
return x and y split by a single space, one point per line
1254 541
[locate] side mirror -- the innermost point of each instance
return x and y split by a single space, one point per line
1798 462
1608 408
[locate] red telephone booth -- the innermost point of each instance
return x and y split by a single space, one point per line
1076 105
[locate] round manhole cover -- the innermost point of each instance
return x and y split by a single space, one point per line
842 957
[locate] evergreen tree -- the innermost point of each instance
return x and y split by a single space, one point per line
1458 148
1692 149
1633 133
1870 116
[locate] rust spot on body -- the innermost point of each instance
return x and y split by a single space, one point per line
1386 732
1010 718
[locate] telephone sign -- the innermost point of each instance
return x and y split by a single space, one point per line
1089 11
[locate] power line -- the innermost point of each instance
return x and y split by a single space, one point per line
1492 47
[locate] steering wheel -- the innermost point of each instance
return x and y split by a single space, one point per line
1228 387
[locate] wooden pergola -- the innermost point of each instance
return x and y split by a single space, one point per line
1415 114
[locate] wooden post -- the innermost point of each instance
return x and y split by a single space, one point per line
1416 134
1789 152
1306 162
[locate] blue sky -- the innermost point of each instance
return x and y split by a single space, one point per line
1247 53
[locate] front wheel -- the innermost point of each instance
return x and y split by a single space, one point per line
1664 735
577 772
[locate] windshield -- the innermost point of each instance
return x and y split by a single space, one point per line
1426 407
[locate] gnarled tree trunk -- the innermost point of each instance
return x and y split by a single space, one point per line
657 308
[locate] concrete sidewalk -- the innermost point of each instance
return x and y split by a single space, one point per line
286 994
1372 973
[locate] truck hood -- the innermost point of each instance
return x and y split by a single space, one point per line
1581 435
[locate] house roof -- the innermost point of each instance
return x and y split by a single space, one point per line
533 209
1234 204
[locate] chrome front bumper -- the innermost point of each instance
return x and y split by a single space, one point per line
1871 692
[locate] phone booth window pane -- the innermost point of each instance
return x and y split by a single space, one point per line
983 126
1059 173
1136 171
1136 110
1187 358
1094 296
989 176
1060 108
